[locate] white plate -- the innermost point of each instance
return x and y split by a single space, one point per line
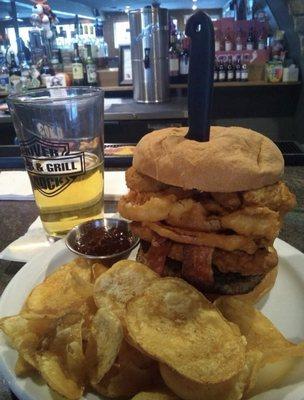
284 306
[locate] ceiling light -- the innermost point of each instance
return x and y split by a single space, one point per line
7 17
194 7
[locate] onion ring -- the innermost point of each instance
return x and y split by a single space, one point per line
221 241
154 209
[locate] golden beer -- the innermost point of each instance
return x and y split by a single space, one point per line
66 198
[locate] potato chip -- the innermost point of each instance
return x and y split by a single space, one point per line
97 270
26 335
278 354
104 341
231 389
269 376
61 292
131 373
124 280
56 377
22 367
161 394
67 344
176 325
259 331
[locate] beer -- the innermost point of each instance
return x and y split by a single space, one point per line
60 133
65 200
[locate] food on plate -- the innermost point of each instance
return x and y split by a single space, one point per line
120 283
169 311
156 394
234 388
103 345
209 212
102 241
25 335
65 290
22 367
144 337
278 353
131 373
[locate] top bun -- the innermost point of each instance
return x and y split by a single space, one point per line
234 159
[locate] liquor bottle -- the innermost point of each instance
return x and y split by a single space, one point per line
261 40
217 39
228 40
46 70
184 59
173 57
100 52
90 67
250 40
56 61
244 72
35 77
230 70
25 72
238 68
4 75
77 68
239 41
14 73
221 71
216 71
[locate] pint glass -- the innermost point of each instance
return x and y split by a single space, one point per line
60 131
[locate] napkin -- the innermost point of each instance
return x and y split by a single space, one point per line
28 245
31 243
15 185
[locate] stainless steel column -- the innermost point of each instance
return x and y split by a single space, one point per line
149 28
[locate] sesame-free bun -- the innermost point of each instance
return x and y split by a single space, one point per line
234 159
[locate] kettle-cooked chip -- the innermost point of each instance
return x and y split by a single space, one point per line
104 342
53 373
25 335
279 355
22 367
176 325
67 344
131 373
155 394
232 389
121 282
62 291
259 331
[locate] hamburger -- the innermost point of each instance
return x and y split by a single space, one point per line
209 212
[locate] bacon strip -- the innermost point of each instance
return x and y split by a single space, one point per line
157 254
196 267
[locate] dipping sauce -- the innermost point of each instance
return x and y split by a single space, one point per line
103 241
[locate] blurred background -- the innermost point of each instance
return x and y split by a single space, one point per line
259 59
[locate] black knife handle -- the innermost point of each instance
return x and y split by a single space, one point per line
200 29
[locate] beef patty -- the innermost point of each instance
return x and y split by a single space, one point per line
224 283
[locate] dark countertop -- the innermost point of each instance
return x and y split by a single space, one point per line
16 216
118 109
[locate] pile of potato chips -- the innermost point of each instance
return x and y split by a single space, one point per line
124 332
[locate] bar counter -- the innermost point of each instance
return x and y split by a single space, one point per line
119 104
